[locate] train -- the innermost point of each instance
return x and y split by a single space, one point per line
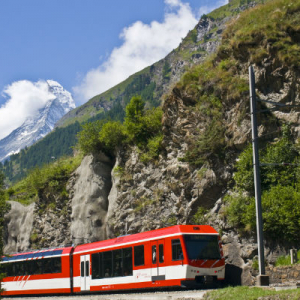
177 256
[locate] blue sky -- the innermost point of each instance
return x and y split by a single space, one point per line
86 45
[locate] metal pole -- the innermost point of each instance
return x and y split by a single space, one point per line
259 222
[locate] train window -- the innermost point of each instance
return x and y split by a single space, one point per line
161 253
176 250
47 264
117 263
202 246
107 263
154 254
139 255
33 267
82 268
127 261
7 269
87 268
56 267
112 263
97 266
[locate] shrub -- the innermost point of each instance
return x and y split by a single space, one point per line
142 125
154 147
88 137
199 217
112 135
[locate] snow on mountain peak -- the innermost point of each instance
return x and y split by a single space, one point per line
36 127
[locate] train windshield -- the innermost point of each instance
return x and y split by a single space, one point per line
202 246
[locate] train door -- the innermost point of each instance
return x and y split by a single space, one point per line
85 277
158 270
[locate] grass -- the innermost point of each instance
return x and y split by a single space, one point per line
251 293
52 175
286 260
230 9
268 30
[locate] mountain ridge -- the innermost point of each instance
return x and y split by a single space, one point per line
36 127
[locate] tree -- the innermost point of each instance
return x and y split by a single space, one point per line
112 136
142 125
134 110
88 138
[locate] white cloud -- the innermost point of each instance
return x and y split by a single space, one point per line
24 99
143 44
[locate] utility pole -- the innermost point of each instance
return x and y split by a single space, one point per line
262 278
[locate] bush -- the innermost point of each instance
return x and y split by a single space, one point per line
112 135
142 125
286 260
154 147
199 217
280 211
88 137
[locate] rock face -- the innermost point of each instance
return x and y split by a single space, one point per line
18 221
89 189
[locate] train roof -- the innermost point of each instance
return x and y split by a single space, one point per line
146 236
45 253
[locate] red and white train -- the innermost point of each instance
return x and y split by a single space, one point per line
177 256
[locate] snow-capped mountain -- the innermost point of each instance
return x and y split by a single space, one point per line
35 128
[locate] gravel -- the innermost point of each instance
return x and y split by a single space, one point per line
166 295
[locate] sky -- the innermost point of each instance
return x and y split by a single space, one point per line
88 46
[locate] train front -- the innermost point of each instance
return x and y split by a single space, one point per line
204 257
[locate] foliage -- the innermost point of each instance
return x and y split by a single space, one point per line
193 33
275 33
210 143
250 293
142 125
280 159
154 147
167 69
199 217
280 191
51 176
112 135
88 137
118 171
285 260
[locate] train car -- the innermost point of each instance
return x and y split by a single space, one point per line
39 272
177 256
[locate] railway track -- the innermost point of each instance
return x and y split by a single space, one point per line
165 295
